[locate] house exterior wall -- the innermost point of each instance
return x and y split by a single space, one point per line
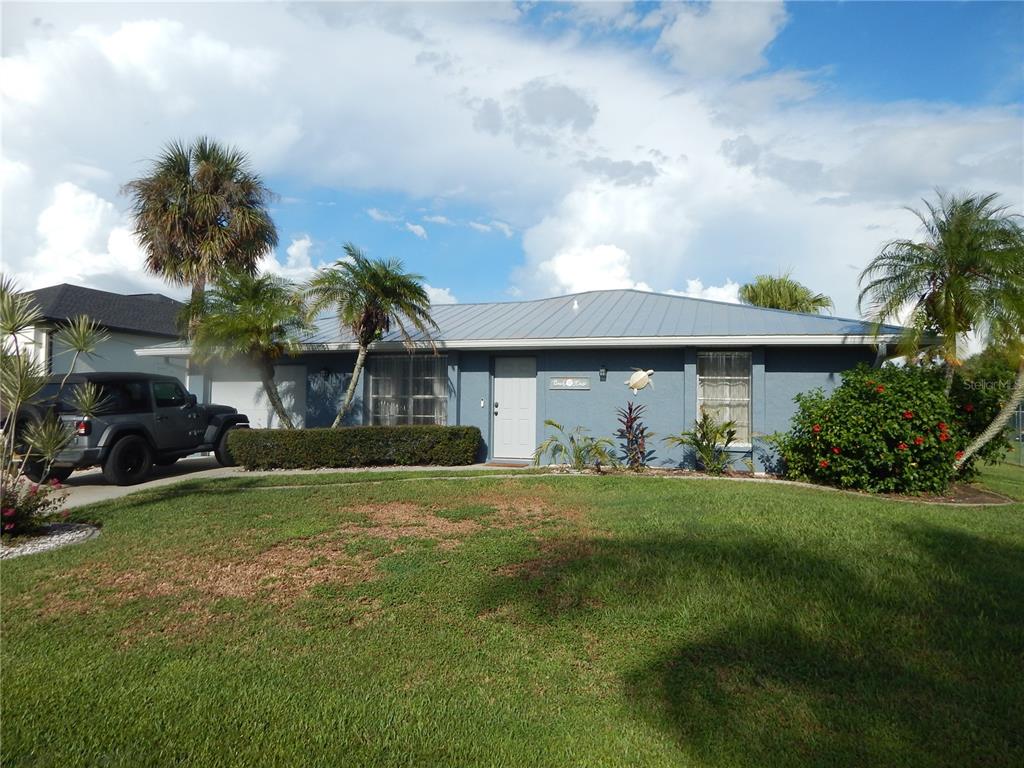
777 375
117 353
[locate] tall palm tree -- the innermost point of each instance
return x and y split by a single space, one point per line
370 296
965 275
201 210
783 292
256 317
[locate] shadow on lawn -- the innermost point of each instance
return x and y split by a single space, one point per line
918 664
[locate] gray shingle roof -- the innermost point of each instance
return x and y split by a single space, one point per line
615 314
145 313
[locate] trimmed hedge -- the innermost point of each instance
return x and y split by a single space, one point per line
354 447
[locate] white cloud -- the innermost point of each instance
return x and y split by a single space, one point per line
381 216
502 227
595 268
479 227
417 230
728 292
439 220
721 39
440 295
298 264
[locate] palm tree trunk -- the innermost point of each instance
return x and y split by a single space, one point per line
350 393
198 291
270 387
999 423
950 373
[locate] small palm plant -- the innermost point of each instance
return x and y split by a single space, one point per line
370 296
574 448
710 441
259 318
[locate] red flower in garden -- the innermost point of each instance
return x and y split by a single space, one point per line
969 408
918 440
823 463
55 483
879 389
835 449
33 490
942 426
959 455
8 526
816 428
9 512
908 415
943 436
901 447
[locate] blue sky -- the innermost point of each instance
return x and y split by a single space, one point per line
508 150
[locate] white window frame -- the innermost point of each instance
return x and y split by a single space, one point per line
405 363
701 400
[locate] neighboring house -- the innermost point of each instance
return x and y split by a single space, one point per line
132 321
506 367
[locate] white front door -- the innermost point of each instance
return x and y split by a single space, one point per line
515 407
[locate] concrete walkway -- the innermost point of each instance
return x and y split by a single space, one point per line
89 486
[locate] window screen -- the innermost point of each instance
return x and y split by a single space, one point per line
407 389
723 388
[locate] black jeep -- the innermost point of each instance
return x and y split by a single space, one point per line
145 419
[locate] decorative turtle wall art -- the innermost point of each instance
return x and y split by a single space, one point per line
640 379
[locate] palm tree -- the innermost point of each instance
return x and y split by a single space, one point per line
783 292
256 317
201 210
370 295
965 275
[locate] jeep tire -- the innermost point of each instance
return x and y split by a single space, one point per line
129 461
221 451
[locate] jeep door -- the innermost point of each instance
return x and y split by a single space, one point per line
177 420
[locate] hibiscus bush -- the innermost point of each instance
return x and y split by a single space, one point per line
25 506
884 429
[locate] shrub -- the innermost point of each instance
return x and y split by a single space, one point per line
888 429
25 505
354 447
979 391
575 448
710 440
634 436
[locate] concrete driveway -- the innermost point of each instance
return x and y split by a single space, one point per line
88 485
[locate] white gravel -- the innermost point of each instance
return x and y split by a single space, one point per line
58 535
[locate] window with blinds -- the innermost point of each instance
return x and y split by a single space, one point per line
723 388
407 389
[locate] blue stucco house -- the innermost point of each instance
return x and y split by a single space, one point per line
506 367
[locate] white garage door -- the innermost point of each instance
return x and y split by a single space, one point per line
240 387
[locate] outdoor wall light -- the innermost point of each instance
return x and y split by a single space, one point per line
602 373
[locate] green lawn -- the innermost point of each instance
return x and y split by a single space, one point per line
535 621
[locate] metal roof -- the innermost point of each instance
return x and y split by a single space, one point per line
145 313
607 316
605 319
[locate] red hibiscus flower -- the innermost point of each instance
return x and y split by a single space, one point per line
943 436
823 463
918 440
816 428
835 449
969 408
959 455
942 426
879 389
901 447
908 415
8 526
9 512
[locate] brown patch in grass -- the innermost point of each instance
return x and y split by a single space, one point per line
398 520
